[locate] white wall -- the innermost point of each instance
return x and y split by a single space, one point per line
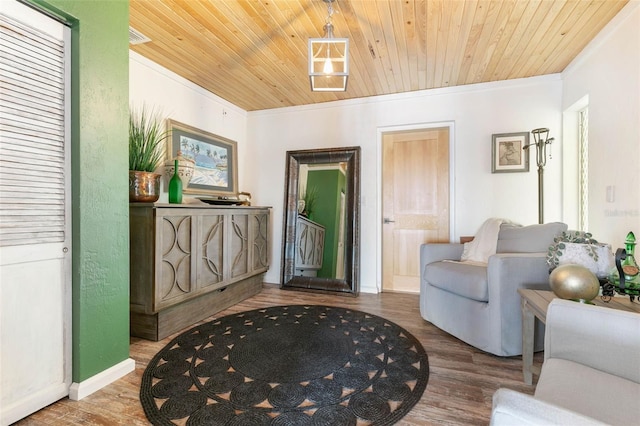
608 71
477 112
178 99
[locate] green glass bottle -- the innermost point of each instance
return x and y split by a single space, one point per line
629 268
629 265
175 187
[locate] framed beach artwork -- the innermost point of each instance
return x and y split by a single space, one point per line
215 157
508 154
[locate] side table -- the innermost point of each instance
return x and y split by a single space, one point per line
534 305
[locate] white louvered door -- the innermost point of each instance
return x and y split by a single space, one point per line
35 225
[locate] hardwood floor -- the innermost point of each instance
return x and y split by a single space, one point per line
461 383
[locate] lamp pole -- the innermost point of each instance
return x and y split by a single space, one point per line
540 141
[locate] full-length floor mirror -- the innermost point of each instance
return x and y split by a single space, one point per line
320 242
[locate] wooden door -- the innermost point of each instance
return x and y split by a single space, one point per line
415 202
35 225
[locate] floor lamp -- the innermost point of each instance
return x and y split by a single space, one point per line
540 141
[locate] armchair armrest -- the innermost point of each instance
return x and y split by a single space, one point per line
507 272
435 252
515 408
613 337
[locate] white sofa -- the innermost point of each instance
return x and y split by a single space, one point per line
479 304
590 374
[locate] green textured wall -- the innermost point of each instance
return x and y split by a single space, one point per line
329 184
100 105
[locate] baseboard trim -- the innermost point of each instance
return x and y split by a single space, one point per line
77 391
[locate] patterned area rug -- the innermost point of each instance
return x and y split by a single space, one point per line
287 365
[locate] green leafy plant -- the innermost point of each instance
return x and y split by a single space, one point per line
146 140
579 237
310 197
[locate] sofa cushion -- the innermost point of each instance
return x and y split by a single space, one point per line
528 239
588 391
466 280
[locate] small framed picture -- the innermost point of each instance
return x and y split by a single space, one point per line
508 154
216 162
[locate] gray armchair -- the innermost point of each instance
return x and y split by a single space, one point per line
590 374
480 304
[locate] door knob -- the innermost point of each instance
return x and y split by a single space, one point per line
387 220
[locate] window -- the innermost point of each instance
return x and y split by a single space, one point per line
583 168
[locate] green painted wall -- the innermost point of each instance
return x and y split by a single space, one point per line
100 105
329 184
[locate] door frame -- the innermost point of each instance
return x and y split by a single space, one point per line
380 132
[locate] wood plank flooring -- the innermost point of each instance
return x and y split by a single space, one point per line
461 383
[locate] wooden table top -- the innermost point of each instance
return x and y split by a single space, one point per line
538 301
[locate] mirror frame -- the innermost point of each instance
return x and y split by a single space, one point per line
351 282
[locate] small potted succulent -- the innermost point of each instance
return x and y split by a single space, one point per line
146 151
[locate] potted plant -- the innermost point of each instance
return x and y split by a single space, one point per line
146 151
309 197
580 248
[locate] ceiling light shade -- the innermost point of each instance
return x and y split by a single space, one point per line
328 60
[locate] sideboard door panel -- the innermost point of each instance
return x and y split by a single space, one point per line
309 247
174 280
210 262
238 248
260 238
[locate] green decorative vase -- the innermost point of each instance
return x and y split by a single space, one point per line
175 187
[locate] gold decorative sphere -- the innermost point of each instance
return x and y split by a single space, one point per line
575 282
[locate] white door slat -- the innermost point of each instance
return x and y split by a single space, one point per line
40 77
28 185
24 82
31 238
29 120
17 163
25 93
9 97
34 225
33 66
9 133
25 32
21 198
26 53
35 210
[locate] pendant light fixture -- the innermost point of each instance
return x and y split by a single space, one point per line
328 59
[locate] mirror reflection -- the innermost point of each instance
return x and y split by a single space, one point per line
320 228
320 239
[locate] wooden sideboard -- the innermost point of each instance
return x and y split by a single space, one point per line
309 247
190 261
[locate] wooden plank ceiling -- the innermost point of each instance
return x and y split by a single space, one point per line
253 53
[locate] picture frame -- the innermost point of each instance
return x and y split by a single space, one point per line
215 157
508 154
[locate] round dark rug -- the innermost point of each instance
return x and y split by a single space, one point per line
287 365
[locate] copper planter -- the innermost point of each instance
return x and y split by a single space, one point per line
144 187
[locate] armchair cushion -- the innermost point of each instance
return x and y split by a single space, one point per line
587 334
514 408
466 280
593 393
528 239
